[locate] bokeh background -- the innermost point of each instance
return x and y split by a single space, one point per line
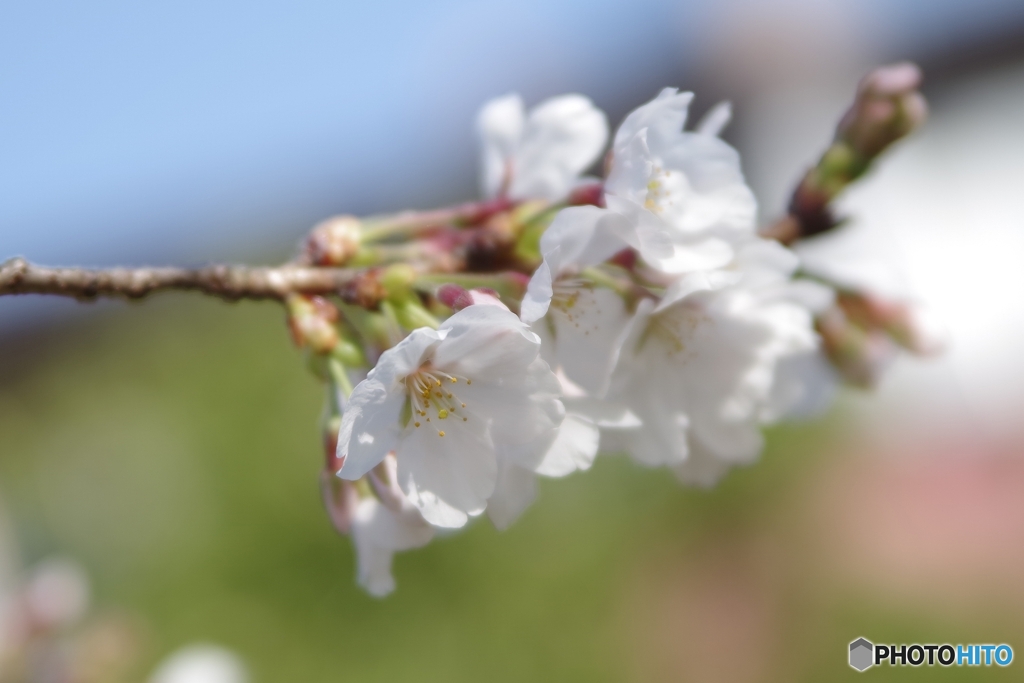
171 447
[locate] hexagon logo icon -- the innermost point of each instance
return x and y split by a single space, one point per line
862 653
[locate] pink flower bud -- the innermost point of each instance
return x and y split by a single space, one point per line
892 80
888 107
334 241
454 297
860 355
311 320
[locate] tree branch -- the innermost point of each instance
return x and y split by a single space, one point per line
18 276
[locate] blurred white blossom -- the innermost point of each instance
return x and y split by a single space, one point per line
201 663
539 155
699 368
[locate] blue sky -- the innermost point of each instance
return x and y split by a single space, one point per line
187 131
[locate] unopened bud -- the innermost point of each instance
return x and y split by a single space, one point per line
859 355
334 241
311 320
454 297
912 327
888 107
397 280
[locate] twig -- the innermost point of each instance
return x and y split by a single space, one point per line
231 283
887 107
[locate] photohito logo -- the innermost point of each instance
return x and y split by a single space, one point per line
864 654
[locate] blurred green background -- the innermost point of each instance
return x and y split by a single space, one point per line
173 449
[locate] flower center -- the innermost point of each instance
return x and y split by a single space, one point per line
674 328
658 195
565 295
432 397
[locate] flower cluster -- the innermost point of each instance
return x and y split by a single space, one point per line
563 317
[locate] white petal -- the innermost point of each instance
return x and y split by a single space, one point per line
811 295
201 663
500 127
664 117
574 448
378 533
701 468
406 356
661 440
485 341
515 491
524 412
369 427
582 236
706 186
603 412
767 255
538 294
739 442
563 136
632 167
704 281
589 335
805 385
448 478
715 121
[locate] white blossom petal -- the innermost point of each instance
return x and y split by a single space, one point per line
486 341
538 293
715 120
515 491
448 478
377 534
663 117
562 137
370 426
588 335
574 448
500 127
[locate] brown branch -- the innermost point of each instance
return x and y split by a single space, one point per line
231 283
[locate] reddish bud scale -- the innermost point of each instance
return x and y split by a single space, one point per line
624 259
364 290
454 297
332 462
591 194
